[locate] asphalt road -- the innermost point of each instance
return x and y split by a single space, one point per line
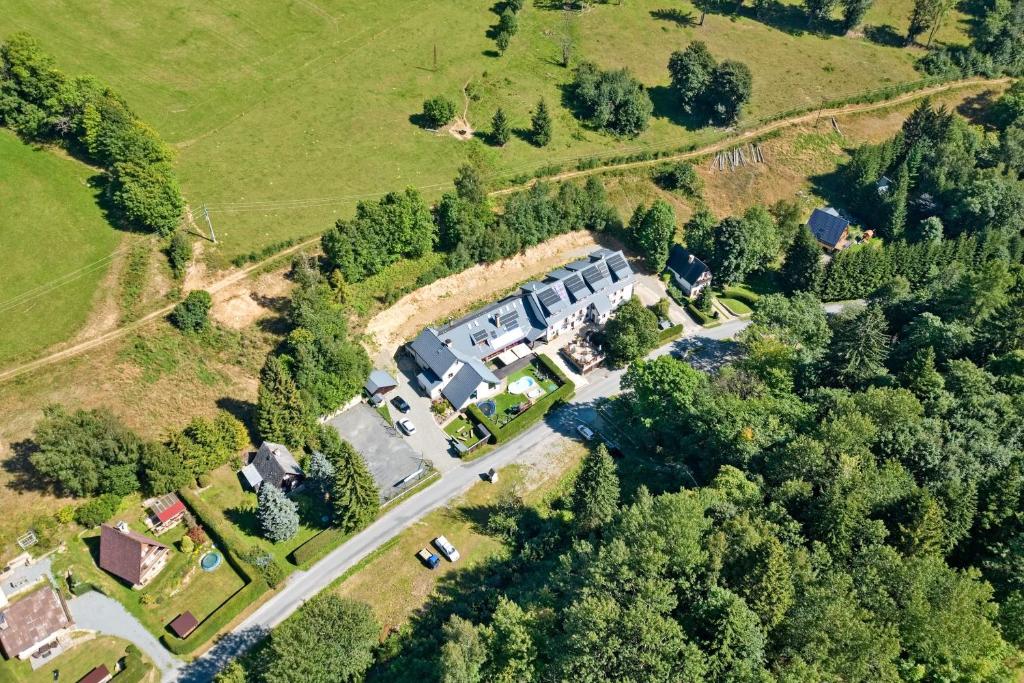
709 345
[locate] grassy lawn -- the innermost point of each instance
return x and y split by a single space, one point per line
506 400
316 98
72 665
396 583
237 508
56 245
735 306
180 586
459 424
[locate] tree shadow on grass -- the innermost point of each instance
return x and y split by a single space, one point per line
667 106
978 108
886 35
420 120
24 476
245 519
675 16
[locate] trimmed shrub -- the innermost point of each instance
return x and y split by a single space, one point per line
701 317
318 546
669 334
438 111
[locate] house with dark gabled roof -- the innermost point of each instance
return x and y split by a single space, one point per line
273 464
829 228
453 358
130 556
688 272
35 626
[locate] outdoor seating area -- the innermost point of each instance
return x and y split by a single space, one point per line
583 353
465 436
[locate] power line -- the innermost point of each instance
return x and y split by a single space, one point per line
51 285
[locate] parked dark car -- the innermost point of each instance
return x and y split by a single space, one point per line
400 403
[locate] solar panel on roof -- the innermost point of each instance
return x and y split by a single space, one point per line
549 298
479 336
507 319
576 286
595 273
617 264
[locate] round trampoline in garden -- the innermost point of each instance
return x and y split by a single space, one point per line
210 561
488 408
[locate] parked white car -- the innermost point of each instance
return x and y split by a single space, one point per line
407 426
586 432
446 548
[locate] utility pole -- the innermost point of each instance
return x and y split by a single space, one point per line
206 215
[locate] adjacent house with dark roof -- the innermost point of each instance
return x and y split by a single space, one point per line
453 358
829 228
274 464
35 625
165 512
689 273
130 556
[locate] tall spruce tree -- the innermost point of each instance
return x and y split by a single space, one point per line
897 203
595 495
860 345
278 516
355 495
281 416
320 473
501 130
540 128
802 270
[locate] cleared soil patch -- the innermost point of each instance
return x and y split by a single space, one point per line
448 296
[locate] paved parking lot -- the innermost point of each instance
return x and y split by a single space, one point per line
388 455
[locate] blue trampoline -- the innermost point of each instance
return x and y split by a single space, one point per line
488 408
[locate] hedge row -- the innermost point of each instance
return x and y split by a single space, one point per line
669 334
533 413
700 316
254 588
318 546
135 669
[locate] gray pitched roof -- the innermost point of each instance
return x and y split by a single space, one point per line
429 347
827 226
462 386
379 380
683 267
274 461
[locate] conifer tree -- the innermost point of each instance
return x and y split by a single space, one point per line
282 415
320 472
595 495
801 271
540 129
278 516
897 202
355 495
501 131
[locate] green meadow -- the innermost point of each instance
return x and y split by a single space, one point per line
285 114
56 247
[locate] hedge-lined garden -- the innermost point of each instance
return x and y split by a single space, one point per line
503 433
256 580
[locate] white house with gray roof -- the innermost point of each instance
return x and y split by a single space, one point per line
453 357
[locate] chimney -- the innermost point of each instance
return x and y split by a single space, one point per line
690 258
122 526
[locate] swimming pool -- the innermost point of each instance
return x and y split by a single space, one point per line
522 385
210 561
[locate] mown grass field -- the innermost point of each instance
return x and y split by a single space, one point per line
55 247
285 114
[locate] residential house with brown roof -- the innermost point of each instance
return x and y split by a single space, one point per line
35 625
130 556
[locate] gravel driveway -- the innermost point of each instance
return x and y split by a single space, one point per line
96 612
